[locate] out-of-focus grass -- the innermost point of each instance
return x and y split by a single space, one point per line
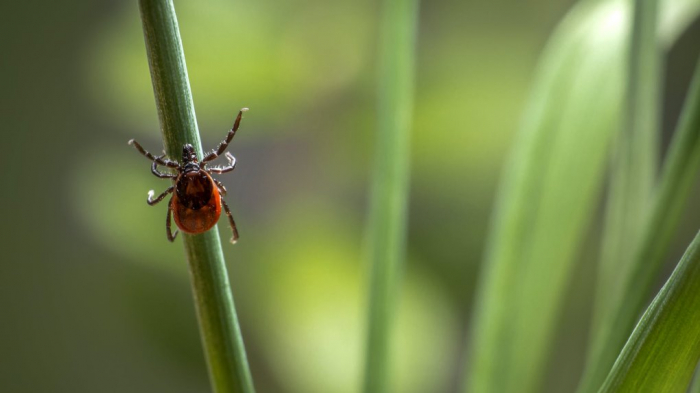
632 173
311 89
387 222
548 195
546 199
279 79
101 211
322 321
635 157
680 169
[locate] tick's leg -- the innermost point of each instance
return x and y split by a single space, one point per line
234 239
155 171
224 144
165 193
171 236
231 165
222 189
159 160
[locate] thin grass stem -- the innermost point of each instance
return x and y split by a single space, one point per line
218 323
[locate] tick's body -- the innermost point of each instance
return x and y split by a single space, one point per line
196 203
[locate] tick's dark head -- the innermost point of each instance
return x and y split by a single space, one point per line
188 154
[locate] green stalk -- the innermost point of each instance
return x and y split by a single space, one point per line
218 323
679 172
389 198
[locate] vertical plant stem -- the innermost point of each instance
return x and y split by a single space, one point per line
218 323
389 196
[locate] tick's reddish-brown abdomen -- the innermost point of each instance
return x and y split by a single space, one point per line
196 202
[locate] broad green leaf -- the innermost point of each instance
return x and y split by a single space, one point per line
664 348
548 195
677 176
695 385
635 156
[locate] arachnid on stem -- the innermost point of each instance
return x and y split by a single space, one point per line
196 202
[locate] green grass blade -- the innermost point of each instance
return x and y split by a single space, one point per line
389 196
680 169
548 195
664 348
634 165
221 336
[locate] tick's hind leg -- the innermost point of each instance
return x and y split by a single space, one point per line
171 236
165 193
234 239
222 189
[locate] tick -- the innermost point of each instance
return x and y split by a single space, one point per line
197 197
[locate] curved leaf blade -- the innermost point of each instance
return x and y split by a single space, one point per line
664 348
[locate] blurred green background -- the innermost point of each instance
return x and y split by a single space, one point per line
93 298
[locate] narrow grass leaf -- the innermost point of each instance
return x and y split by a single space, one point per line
389 195
664 348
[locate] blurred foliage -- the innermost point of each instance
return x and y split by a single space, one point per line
311 307
107 223
549 195
93 296
293 75
261 55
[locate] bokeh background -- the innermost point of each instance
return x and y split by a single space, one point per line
94 299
